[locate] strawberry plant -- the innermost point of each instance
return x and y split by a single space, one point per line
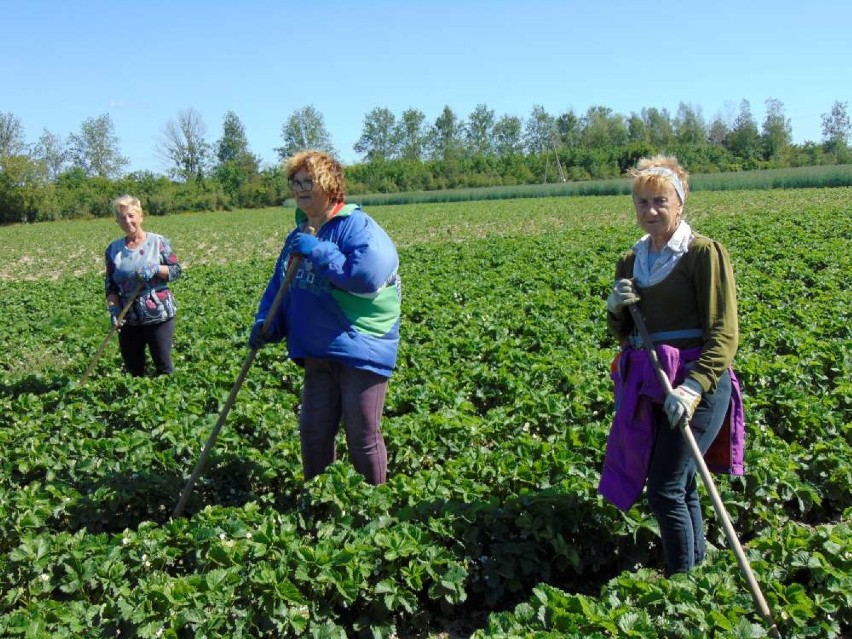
495 423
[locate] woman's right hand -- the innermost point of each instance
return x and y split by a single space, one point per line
623 294
257 338
148 272
114 312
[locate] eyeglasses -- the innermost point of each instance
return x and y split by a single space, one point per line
300 185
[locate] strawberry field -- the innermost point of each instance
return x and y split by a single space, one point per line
495 424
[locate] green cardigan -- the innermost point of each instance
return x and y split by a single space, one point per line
699 293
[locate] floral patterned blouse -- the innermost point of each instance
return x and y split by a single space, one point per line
154 302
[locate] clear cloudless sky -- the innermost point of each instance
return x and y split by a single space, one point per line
142 62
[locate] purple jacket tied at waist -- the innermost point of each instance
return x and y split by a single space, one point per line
631 438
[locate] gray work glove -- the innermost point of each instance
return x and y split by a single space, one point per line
682 402
623 294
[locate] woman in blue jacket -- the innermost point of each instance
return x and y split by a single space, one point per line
340 317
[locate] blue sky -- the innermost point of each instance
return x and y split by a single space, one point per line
143 62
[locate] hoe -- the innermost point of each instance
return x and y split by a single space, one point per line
718 505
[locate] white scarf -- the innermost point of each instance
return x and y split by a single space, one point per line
675 248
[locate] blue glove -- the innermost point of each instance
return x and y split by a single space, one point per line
682 402
148 272
114 312
304 243
257 339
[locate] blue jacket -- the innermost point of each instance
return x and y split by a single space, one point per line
344 301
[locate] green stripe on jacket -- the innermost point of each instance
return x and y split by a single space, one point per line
373 315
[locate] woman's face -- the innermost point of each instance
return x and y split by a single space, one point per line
658 211
310 197
129 219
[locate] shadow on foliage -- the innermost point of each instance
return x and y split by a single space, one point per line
509 543
35 383
565 540
545 536
124 500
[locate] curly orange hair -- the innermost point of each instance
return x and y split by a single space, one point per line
325 171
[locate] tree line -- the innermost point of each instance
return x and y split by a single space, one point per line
77 176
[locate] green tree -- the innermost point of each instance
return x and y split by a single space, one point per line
51 150
659 125
539 131
637 129
411 134
836 127
744 139
718 131
233 145
305 130
689 126
23 186
630 154
379 137
776 134
11 135
508 136
568 128
602 128
540 139
95 149
237 168
183 146
479 133
446 136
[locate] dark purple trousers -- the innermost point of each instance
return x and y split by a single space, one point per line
133 340
333 391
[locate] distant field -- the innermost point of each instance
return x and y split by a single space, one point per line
496 421
789 178
57 250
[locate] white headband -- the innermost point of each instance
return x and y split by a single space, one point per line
671 176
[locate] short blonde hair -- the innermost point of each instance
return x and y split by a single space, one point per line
127 202
642 178
325 171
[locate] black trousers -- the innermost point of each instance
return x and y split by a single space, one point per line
157 337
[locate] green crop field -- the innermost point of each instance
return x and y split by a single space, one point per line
490 524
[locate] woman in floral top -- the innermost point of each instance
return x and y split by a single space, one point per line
145 261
